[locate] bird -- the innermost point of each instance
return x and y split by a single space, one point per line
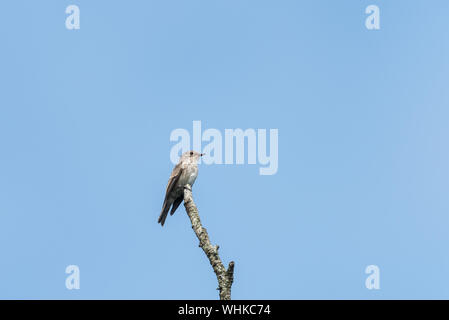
184 173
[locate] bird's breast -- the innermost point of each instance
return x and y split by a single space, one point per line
192 176
188 175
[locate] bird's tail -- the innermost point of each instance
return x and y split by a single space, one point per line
164 213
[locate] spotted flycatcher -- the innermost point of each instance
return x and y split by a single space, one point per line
184 173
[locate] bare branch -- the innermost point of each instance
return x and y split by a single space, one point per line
225 277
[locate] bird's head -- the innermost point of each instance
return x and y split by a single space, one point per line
191 156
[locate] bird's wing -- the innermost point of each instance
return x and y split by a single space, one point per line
176 204
176 173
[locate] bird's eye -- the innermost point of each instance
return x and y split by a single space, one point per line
191 153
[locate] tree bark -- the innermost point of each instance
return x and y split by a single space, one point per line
225 277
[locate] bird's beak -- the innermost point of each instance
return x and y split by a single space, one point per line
202 154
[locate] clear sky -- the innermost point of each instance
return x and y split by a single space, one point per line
362 115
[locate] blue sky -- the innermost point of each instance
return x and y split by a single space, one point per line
363 178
